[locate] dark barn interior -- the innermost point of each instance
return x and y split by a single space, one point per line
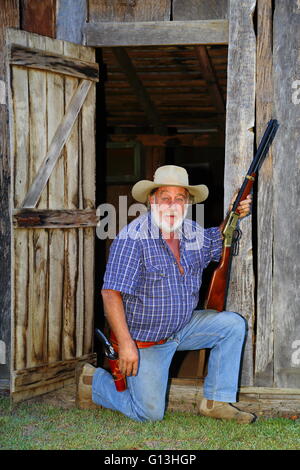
163 105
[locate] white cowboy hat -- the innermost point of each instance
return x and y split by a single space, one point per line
169 175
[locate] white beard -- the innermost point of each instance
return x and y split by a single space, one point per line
164 225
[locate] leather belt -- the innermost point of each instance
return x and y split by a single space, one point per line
139 344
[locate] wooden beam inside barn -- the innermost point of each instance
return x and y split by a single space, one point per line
175 84
186 140
213 88
139 89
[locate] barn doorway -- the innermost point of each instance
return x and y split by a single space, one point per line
160 105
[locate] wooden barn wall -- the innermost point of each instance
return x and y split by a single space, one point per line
277 359
9 17
286 267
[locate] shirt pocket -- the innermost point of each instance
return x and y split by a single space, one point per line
194 277
155 279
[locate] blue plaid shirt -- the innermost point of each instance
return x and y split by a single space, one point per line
158 299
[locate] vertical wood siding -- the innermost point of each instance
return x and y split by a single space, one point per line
286 268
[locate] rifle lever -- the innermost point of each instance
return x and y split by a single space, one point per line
237 235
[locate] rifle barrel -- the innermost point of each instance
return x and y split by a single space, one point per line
258 159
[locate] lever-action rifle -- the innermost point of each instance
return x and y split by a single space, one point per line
217 291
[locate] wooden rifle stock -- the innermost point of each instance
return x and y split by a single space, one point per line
218 287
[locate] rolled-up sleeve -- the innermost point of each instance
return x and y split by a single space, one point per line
213 244
123 267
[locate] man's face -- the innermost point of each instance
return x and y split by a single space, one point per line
169 205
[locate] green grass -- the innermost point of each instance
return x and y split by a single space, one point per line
32 426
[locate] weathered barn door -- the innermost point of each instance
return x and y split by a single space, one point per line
52 142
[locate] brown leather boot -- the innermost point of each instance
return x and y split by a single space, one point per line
222 410
84 379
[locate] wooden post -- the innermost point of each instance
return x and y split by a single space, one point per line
9 16
265 231
238 156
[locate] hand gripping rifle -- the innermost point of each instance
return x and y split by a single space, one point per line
217 291
112 355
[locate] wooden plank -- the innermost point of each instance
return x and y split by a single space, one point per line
184 397
72 286
53 62
30 393
129 10
238 155
9 16
39 17
156 33
55 112
141 92
286 151
70 18
271 391
75 218
265 232
88 196
61 135
37 380
19 112
37 239
199 10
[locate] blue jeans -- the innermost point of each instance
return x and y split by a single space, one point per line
145 396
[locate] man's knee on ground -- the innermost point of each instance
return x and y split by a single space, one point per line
151 412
